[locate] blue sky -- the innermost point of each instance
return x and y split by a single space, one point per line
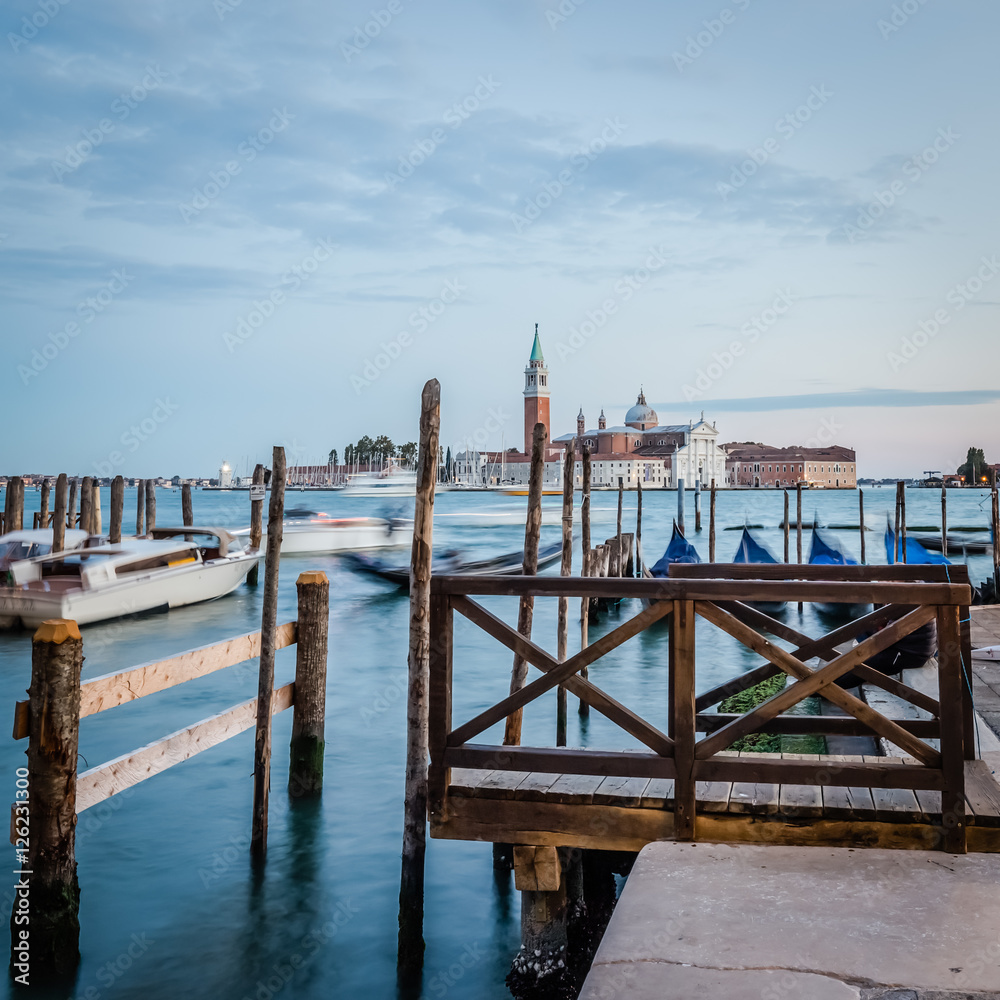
231 224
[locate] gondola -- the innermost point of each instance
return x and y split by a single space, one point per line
751 551
678 550
450 563
916 554
825 552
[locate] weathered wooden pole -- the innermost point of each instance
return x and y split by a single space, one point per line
565 569
697 505
638 531
150 505
787 527
410 953
996 544
16 486
587 564
308 744
87 505
48 892
256 522
117 510
621 493
59 515
711 523
74 487
95 509
861 521
7 497
798 528
532 527
680 503
944 521
265 681
140 508
902 520
187 510
43 508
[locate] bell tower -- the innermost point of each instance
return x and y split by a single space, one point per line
536 393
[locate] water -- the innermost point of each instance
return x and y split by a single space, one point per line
164 868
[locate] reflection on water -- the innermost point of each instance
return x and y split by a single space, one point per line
164 870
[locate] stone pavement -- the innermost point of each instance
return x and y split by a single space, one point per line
986 673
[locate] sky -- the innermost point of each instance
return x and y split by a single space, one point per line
230 224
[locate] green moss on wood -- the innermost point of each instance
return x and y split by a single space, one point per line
745 701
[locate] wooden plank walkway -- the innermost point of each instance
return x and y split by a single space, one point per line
623 813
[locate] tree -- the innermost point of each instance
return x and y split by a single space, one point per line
383 448
974 467
408 452
332 459
447 465
364 449
349 455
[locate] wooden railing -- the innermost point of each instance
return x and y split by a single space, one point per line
906 598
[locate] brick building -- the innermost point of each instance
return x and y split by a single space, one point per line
755 464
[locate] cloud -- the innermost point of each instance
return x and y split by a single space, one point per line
854 397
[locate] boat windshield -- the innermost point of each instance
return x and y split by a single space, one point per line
15 550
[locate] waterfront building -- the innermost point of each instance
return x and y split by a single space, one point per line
755 464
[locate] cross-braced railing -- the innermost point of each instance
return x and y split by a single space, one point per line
905 599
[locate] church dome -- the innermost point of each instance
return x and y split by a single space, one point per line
641 415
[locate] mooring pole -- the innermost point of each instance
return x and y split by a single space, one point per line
902 519
787 527
87 505
587 563
638 531
140 507
187 508
45 825
256 522
861 519
410 953
798 528
16 486
150 505
944 522
95 509
43 508
697 505
265 682
565 569
59 515
308 744
117 510
74 487
996 543
680 503
711 523
621 558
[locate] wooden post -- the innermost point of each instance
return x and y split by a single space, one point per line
861 519
638 532
150 505
43 511
71 512
265 682
587 565
47 823
618 535
944 521
15 485
87 505
59 515
680 504
565 569
952 726
532 527
7 498
996 544
95 509
682 674
711 524
256 522
902 520
117 510
798 528
787 527
697 505
140 508
308 744
410 954
187 510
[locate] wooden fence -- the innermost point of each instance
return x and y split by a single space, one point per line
905 600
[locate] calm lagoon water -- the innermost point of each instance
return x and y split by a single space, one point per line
164 868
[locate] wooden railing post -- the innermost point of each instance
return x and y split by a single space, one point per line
439 714
140 507
586 564
952 729
256 523
308 744
59 515
682 673
117 510
48 891
410 941
265 682
150 505
565 569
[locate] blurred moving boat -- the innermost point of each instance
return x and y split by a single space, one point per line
916 553
748 551
139 574
31 542
450 563
309 532
392 481
824 551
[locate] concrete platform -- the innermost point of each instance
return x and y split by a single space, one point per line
733 921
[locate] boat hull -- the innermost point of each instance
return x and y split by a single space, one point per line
181 586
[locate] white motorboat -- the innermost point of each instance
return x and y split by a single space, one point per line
31 542
308 532
88 585
392 481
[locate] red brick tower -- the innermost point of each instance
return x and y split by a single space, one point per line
536 393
